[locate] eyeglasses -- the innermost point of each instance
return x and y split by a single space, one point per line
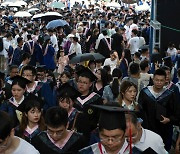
58 133
112 139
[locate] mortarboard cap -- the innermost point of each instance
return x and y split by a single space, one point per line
68 91
143 48
112 116
20 79
29 102
86 72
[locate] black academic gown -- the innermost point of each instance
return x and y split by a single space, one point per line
44 145
88 117
166 105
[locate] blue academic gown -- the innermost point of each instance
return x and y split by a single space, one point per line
33 55
39 54
49 58
17 56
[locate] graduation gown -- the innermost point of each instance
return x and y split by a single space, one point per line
29 47
45 146
88 117
10 107
49 58
39 53
71 119
28 137
166 105
17 56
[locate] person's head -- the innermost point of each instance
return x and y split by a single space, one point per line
168 73
159 79
6 131
156 49
20 41
102 76
135 126
85 80
137 56
134 32
75 39
32 114
41 73
26 57
18 87
61 53
134 69
13 71
92 65
50 32
56 120
29 72
128 91
64 77
112 127
171 45
112 55
144 65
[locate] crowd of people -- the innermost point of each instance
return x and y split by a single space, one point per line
126 102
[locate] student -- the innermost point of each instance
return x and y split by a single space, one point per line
41 89
127 98
111 91
57 139
32 122
143 138
112 127
89 115
160 107
66 97
18 89
10 143
26 57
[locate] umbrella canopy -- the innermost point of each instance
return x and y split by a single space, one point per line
6 3
52 14
49 16
57 5
113 4
22 3
36 16
129 1
85 57
22 14
14 5
56 23
33 10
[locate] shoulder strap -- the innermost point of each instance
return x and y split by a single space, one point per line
38 87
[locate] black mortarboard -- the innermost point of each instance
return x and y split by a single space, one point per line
112 116
68 91
41 68
86 72
20 79
143 48
30 101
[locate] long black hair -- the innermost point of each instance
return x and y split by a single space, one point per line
116 74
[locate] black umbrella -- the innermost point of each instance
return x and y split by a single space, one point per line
85 57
